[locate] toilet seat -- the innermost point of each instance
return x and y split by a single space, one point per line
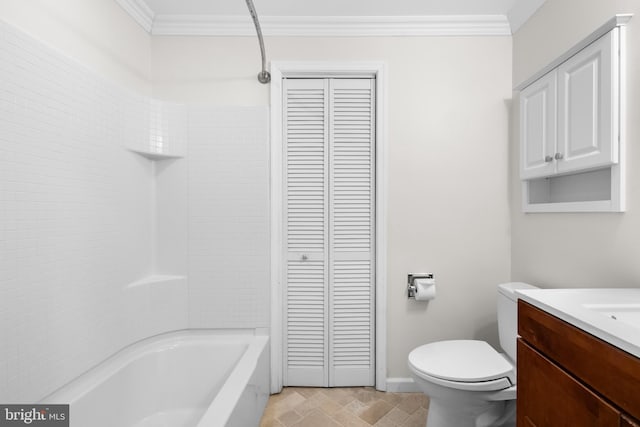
463 364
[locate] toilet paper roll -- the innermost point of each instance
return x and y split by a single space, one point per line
425 289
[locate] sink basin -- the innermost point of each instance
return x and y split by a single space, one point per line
626 313
612 315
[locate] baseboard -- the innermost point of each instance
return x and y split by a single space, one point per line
402 385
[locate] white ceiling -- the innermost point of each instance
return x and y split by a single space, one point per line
395 16
334 7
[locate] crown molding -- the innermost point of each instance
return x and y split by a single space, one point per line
140 11
332 26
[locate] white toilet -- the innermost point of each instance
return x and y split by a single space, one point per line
470 384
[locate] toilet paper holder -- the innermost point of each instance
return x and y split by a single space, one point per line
411 286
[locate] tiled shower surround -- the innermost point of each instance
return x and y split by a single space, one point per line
228 207
83 219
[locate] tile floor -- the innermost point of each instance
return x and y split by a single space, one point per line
344 407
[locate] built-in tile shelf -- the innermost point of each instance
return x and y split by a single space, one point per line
155 279
156 156
159 131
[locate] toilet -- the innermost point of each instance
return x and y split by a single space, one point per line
468 382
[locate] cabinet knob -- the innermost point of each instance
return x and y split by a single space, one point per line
559 156
548 159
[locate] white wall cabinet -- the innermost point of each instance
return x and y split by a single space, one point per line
569 116
571 142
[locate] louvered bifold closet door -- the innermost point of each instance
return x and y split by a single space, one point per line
330 148
351 231
306 126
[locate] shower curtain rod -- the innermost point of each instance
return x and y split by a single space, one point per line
263 76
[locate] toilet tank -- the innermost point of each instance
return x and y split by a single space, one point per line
508 316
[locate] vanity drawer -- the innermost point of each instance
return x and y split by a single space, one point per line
614 373
565 401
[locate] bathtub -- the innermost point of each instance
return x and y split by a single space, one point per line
191 378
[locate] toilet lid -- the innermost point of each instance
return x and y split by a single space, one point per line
460 361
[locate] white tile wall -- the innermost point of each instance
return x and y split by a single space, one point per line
75 221
228 211
79 216
168 128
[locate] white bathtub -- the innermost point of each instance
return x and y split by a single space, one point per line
180 379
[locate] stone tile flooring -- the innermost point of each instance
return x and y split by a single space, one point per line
344 407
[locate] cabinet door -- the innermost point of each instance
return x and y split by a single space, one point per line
588 106
538 127
549 397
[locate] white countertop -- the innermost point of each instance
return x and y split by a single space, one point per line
613 315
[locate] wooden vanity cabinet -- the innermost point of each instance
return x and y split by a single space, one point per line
569 378
628 422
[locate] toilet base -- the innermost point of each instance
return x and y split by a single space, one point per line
449 407
470 414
